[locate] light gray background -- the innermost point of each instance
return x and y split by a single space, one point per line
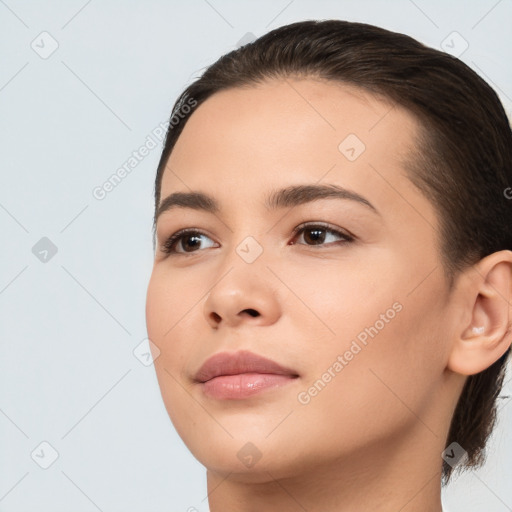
68 326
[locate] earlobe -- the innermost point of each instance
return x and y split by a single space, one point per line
487 336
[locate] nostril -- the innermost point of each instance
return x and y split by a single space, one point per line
252 312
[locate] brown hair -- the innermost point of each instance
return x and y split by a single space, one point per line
462 162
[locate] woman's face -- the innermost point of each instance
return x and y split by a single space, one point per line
363 323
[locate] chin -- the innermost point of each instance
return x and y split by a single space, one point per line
244 460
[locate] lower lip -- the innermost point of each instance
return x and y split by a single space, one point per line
243 385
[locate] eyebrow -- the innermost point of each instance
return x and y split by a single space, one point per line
284 198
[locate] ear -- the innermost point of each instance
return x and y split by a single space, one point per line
486 298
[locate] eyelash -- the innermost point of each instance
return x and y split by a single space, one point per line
168 246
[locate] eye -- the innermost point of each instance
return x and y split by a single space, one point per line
186 239
318 233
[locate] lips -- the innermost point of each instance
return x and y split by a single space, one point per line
226 363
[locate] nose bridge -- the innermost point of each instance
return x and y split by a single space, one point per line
244 268
248 235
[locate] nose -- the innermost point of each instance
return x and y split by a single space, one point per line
243 295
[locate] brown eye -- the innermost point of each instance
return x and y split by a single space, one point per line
319 234
187 240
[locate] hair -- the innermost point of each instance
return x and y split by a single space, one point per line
462 160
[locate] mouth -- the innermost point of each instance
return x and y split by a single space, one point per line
243 385
240 375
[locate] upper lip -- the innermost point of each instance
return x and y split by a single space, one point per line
233 363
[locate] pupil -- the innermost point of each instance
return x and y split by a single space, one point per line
315 238
190 237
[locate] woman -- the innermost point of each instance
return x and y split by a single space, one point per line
331 289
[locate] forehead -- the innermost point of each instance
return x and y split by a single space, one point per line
244 141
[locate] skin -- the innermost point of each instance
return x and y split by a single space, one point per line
372 438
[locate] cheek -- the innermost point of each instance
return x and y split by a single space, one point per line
386 348
374 389
166 317
156 305
170 301
338 298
